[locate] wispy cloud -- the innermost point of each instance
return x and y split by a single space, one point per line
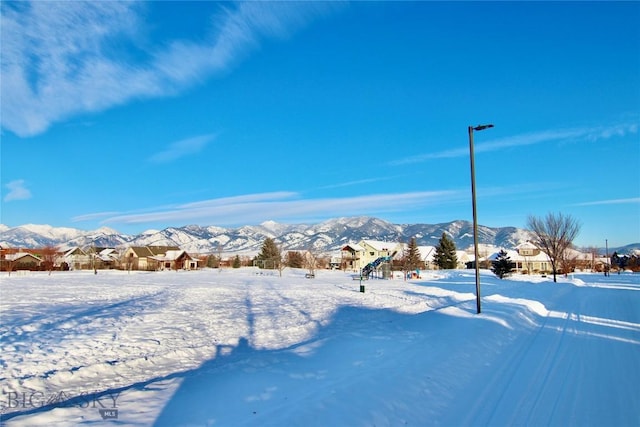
590 134
57 57
356 182
632 200
284 206
94 216
184 147
17 191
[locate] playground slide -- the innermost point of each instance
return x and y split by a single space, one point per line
368 269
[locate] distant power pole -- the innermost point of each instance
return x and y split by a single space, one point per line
606 267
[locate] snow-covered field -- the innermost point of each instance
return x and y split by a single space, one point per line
245 347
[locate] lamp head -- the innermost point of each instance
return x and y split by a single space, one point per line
482 127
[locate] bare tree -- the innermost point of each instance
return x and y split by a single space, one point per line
404 259
312 261
281 261
554 235
569 262
219 247
323 261
595 253
49 254
10 261
129 262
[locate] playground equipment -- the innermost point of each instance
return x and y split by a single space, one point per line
369 268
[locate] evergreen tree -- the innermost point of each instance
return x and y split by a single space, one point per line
269 255
213 262
445 257
413 260
502 265
236 262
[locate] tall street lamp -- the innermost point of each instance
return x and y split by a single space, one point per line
475 214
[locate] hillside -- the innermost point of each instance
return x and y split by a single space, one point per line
326 236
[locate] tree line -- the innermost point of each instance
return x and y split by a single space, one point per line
553 234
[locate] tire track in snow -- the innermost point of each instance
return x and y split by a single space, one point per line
521 392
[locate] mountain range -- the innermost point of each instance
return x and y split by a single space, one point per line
326 236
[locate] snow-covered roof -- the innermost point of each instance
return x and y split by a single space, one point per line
427 252
171 255
150 251
513 255
20 255
379 245
74 251
463 256
526 245
575 254
516 257
354 246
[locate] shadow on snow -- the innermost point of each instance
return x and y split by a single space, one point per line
569 362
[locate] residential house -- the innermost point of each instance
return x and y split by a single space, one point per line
465 259
352 255
106 258
530 259
48 258
527 258
426 255
335 261
175 260
355 256
76 259
21 261
141 257
581 261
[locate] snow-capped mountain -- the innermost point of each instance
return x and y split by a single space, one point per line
326 236
35 236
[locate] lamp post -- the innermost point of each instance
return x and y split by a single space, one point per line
475 214
606 267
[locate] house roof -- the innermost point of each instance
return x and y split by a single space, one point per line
515 256
107 255
462 256
172 255
353 246
20 256
379 245
33 251
526 245
141 251
149 251
157 250
427 252
74 251
575 254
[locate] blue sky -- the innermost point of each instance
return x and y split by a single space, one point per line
154 114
